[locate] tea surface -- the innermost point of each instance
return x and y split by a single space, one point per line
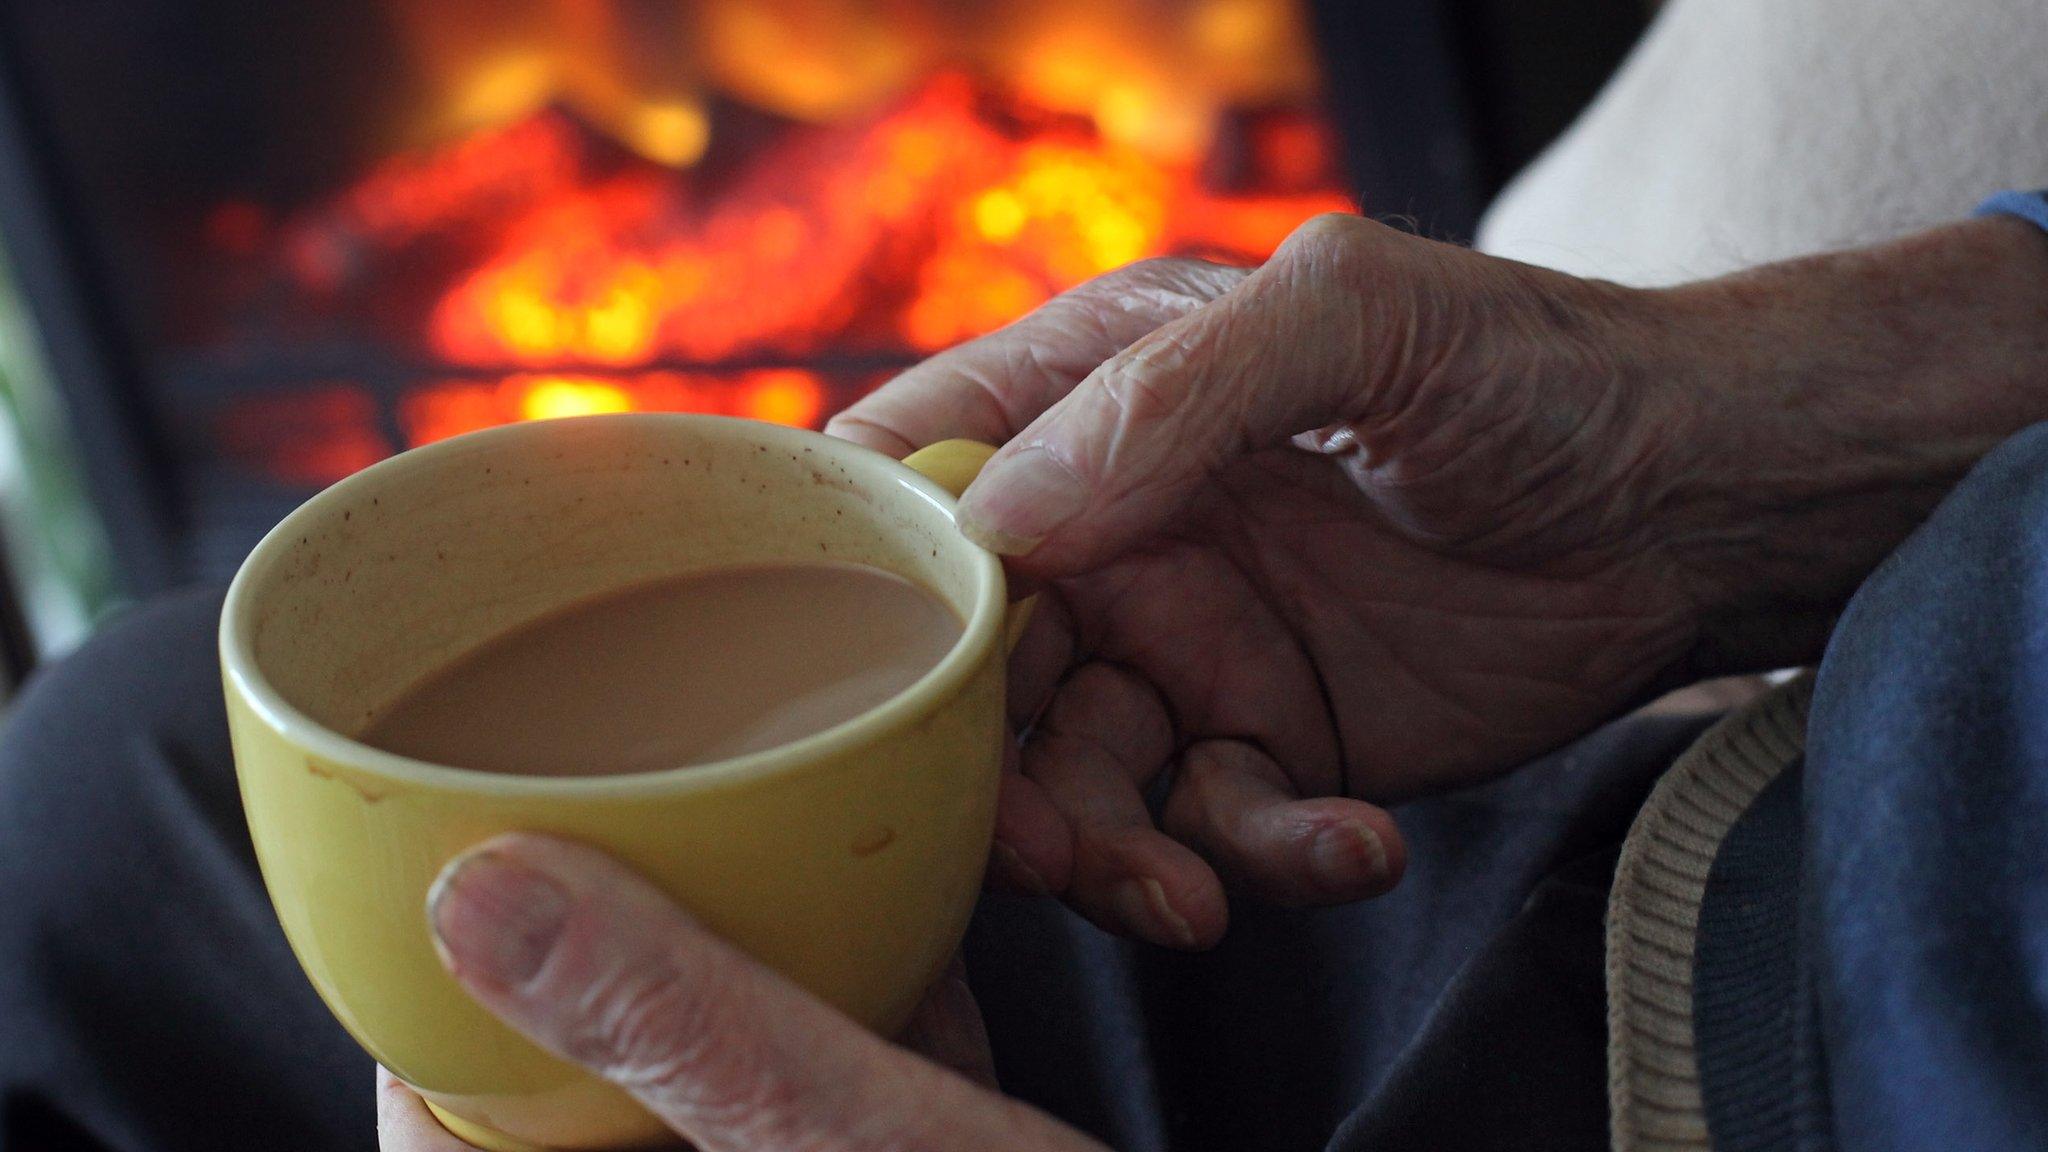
676 672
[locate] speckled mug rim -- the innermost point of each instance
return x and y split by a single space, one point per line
879 473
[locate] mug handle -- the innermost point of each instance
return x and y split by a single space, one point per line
953 465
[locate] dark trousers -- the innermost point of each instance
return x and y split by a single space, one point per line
148 1002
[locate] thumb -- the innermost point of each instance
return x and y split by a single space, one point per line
594 964
1295 346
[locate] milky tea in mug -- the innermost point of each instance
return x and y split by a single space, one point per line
757 665
673 672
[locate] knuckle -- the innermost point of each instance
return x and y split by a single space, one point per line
1184 390
1243 756
1331 241
1206 777
1159 270
1158 288
652 1021
1151 273
755 1102
1147 383
1331 230
1108 715
670 1038
640 1019
1183 819
1198 772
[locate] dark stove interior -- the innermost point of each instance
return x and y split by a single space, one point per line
267 245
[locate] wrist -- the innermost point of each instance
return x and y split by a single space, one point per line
1835 401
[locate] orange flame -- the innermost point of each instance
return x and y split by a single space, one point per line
598 239
452 407
981 224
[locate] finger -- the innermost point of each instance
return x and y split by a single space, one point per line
1033 850
947 1028
1233 804
405 1125
1041 659
1102 740
987 389
592 963
1296 345
1169 612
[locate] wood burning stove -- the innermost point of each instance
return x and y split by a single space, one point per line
266 245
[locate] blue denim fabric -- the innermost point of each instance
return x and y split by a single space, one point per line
1924 894
1872 962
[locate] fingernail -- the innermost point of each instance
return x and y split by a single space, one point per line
995 539
1143 902
1021 874
1343 854
1020 501
495 917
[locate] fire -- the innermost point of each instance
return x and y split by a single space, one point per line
814 246
451 407
1147 73
805 194
554 397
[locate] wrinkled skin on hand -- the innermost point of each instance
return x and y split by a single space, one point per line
1370 520
595 965
1380 517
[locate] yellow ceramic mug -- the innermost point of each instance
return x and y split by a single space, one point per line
848 860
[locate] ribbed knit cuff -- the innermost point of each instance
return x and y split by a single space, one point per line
1653 916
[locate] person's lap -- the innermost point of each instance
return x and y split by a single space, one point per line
149 1000
1465 1009
148 996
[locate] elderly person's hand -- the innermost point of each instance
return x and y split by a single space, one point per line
596 966
1385 515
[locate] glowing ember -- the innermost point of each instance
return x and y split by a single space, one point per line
553 397
448 408
981 221
595 244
